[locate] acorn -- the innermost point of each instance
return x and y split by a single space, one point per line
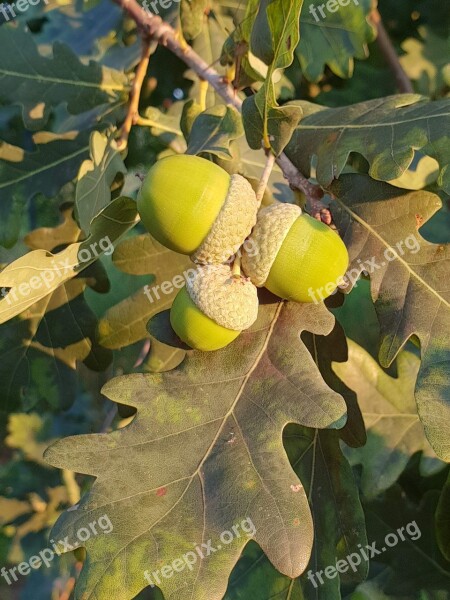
193 206
213 308
294 256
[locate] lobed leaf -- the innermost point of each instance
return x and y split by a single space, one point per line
93 191
338 525
389 409
227 410
386 131
213 130
334 40
54 162
125 323
32 277
409 284
275 33
39 84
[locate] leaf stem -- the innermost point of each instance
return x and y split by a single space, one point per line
236 270
133 107
263 182
202 93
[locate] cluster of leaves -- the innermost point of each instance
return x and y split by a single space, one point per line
327 425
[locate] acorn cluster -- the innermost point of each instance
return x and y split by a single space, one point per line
194 207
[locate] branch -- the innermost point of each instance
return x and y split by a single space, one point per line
154 28
132 114
384 42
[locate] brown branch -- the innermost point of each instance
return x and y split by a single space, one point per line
133 107
404 85
312 192
154 28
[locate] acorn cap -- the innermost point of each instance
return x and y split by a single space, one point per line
229 301
233 224
272 226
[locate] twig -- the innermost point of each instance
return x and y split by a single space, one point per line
161 32
133 107
404 85
312 192
298 181
262 185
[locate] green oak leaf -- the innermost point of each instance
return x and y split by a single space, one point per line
264 121
82 30
414 562
426 62
33 276
166 126
213 130
409 285
191 110
125 323
40 348
233 466
338 526
39 84
280 121
394 430
53 326
336 39
54 162
95 177
386 131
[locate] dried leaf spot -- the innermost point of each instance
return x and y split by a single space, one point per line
296 488
161 491
419 220
332 137
296 522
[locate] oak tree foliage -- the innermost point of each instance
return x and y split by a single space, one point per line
326 425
